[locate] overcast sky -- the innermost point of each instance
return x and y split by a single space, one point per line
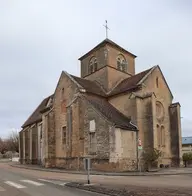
40 38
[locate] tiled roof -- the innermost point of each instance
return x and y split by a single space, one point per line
89 86
110 112
187 140
129 83
104 42
126 85
36 116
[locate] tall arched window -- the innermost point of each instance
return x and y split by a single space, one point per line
158 136
162 135
121 63
62 93
92 65
157 82
118 63
95 64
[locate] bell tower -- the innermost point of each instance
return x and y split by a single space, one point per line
107 64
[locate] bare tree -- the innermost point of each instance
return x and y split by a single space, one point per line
3 146
13 142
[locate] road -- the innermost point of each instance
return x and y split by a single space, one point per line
40 183
14 183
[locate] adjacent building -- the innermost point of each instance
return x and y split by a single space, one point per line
102 114
186 144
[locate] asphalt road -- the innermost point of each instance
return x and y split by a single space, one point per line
19 184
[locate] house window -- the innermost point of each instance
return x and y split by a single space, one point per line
64 135
121 63
92 65
157 82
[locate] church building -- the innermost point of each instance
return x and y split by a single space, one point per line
103 114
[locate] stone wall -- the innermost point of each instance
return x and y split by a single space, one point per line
27 146
157 84
107 74
102 61
113 53
175 126
61 106
34 145
48 139
123 150
21 147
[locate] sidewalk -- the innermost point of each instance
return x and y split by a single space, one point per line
168 171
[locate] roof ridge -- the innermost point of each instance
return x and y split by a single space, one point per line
70 76
110 112
89 85
147 74
129 83
34 112
104 42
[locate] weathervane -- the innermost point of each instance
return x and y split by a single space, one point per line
107 28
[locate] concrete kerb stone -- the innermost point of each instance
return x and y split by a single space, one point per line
101 190
100 173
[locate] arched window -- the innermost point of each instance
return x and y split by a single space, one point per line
158 136
157 82
121 63
118 63
92 65
62 93
95 64
162 135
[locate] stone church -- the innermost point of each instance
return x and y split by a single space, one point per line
103 114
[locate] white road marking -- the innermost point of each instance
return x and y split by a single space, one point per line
45 180
2 189
32 182
18 186
63 184
51 181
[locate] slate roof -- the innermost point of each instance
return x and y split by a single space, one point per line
89 86
187 140
36 116
110 112
104 42
130 83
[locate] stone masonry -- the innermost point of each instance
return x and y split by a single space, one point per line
102 115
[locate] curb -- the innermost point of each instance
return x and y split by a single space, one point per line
103 174
100 190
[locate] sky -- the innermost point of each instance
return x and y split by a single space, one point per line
40 38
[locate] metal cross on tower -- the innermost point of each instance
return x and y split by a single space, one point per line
107 28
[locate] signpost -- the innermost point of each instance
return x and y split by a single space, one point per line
87 166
